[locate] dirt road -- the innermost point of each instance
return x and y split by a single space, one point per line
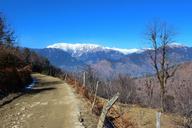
51 104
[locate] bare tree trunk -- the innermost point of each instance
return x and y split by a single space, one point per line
163 85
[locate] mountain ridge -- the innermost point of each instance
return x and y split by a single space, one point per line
136 64
83 48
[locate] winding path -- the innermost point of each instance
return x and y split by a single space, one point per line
51 104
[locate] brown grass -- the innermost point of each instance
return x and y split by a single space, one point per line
128 116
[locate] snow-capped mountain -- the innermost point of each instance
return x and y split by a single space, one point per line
106 60
80 49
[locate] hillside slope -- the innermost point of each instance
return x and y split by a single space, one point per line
178 90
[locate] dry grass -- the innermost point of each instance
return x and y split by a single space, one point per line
146 117
129 116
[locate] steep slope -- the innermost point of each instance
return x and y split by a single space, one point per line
60 58
178 90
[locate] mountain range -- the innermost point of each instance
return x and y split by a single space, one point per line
108 62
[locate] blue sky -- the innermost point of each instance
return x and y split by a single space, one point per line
113 23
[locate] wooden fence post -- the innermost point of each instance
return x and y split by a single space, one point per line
84 79
106 109
65 77
95 95
158 120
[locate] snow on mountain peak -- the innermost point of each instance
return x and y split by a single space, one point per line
67 46
126 51
79 49
177 45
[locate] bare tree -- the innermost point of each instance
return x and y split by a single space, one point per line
183 93
160 35
91 79
183 96
149 89
126 86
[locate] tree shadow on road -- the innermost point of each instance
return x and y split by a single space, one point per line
38 90
46 83
39 87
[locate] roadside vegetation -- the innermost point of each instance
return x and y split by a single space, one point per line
139 99
17 64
